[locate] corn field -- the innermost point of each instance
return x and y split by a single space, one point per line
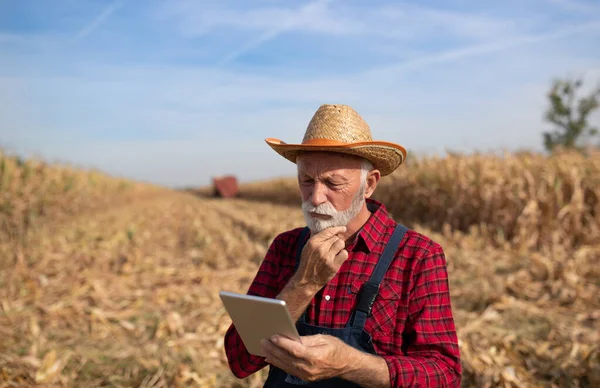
523 200
109 282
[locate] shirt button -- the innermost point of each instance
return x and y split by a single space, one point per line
327 297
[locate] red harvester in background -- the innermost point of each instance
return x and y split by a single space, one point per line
225 186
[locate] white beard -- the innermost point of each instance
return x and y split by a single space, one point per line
338 218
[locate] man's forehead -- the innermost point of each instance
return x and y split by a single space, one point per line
314 158
328 165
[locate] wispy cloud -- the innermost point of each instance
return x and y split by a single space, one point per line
195 19
577 6
465 52
407 21
330 27
291 21
11 38
400 21
98 21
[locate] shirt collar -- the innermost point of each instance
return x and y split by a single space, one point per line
368 235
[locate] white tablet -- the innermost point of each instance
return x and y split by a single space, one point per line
256 318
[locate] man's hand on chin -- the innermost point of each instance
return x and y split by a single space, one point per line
318 357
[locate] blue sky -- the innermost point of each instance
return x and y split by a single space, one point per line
175 92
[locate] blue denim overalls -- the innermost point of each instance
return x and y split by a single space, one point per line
353 334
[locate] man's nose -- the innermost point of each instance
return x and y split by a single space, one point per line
318 195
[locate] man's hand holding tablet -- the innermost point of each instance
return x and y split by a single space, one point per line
257 318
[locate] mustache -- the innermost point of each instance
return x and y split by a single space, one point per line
324 208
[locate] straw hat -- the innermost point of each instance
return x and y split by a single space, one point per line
339 128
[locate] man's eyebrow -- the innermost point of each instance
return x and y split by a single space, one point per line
304 175
336 175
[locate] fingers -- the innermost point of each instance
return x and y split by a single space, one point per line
321 257
328 233
327 248
273 355
287 366
340 257
273 351
284 349
336 247
328 237
309 341
294 348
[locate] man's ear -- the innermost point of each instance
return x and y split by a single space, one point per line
373 178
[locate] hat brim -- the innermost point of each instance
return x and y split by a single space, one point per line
385 156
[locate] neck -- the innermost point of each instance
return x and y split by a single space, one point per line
356 224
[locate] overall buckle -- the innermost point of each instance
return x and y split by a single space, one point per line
367 297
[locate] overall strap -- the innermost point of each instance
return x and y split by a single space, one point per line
370 289
301 242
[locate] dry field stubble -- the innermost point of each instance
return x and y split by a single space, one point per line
127 295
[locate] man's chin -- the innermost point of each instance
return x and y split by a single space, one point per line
317 225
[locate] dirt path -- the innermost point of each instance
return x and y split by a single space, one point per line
138 281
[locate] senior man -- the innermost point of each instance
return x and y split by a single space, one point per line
370 298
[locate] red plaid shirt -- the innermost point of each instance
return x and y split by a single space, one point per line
411 323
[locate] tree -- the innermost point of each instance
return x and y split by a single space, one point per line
570 116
